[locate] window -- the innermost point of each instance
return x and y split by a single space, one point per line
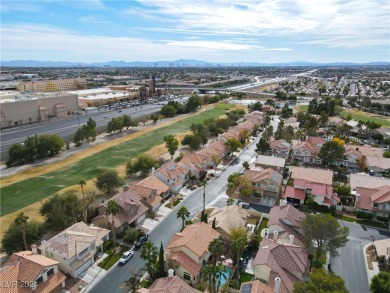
39 280
50 272
187 276
375 205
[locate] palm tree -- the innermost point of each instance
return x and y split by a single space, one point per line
229 201
239 246
216 248
82 183
245 165
21 221
231 188
207 276
219 270
149 254
112 209
183 213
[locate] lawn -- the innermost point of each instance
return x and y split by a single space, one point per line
29 191
112 258
364 116
245 277
364 222
302 108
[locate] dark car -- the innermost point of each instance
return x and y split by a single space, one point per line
141 240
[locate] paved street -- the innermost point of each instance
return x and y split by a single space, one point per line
350 264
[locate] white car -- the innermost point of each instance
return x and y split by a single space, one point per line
126 257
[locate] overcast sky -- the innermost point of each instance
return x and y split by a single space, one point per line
216 31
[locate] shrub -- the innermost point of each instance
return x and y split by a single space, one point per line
131 235
107 245
120 235
382 219
201 287
363 215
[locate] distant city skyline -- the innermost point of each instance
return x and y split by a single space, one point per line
214 31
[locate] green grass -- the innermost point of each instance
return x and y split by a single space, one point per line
111 259
245 277
263 225
26 192
365 118
303 108
364 222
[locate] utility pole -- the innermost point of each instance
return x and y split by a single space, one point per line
77 107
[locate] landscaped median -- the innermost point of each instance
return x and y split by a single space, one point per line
26 192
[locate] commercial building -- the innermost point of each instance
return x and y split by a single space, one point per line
52 85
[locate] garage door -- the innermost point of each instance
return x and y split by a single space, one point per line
85 266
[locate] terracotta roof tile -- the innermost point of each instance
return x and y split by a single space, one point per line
153 182
186 262
294 193
171 285
312 175
256 287
257 176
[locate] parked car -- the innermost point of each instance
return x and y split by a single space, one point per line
141 240
126 257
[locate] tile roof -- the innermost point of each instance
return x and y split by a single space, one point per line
194 158
282 259
196 237
153 182
316 188
75 239
294 193
365 180
256 287
313 175
315 140
287 213
228 217
172 169
369 151
270 161
307 146
382 163
257 176
279 144
186 262
25 266
368 196
171 285
352 149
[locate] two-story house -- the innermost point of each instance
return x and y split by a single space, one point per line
149 195
375 201
26 272
173 175
74 248
216 148
274 163
133 210
169 285
256 117
153 182
307 152
194 163
316 183
281 264
267 182
189 250
352 155
280 148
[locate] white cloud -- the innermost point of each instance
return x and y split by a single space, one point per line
93 19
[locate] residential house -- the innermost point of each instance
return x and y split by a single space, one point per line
149 195
153 182
74 248
265 183
189 250
216 148
256 117
375 201
280 265
284 225
280 148
228 135
173 175
367 181
275 163
352 155
385 131
169 285
382 248
133 210
26 272
378 164
314 182
307 152
335 121
228 217
293 122
194 163
256 287
268 108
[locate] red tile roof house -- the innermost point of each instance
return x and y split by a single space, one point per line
351 157
272 162
149 195
284 225
227 135
256 287
267 182
189 249
153 182
375 201
216 148
173 175
280 148
256 117
195 163
74 248
310 181
132 212
290 263
26 272
307 152
169 285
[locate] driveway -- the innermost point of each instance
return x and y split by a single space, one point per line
268 201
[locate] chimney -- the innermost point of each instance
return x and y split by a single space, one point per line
153 170
34 249
171 273
43 247
291 240
276 235
192 168
278 282
282 202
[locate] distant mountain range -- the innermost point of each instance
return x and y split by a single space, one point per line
175 63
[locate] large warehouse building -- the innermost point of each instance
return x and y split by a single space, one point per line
52 85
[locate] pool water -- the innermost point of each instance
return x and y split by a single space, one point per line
225 276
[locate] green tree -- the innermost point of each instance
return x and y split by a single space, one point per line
107 180
216 248
161 262
232 145
116 124
380 283
229 202
168 111
183 213
143 164
243 135
148 253
172 144
128 122
193 141
238 246
12 242
325 233
331 151
61 211
321 281
262 146
113 208
245 165
386 154
193 103
201 130
21 222
155 117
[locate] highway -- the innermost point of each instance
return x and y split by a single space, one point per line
66 127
